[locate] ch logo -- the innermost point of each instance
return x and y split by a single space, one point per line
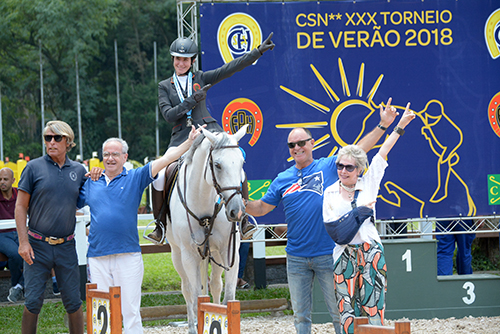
492 34
243 111
238 33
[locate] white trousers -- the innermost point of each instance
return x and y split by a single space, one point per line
124 270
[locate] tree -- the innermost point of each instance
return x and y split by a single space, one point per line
88 28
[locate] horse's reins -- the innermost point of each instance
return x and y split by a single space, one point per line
208 222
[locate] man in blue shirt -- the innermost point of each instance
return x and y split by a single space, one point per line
114 254
309 247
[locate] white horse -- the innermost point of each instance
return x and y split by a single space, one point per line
205 205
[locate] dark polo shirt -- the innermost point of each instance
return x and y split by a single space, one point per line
54 191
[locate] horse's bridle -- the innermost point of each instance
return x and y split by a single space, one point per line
208 222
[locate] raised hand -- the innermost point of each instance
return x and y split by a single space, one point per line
267 44
407 117
387 114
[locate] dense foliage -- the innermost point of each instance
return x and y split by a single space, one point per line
86 30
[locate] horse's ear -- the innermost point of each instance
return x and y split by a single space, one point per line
209 135
241 132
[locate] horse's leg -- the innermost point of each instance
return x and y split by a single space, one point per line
187 267
204 277
231 280
216 282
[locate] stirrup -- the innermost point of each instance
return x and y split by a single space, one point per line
249 234
145 236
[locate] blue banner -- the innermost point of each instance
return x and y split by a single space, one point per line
335 62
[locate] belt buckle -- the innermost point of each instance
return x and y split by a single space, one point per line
55 241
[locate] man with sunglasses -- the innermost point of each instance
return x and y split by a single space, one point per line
309 247
48 192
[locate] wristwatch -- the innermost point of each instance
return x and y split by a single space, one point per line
399 130
383 128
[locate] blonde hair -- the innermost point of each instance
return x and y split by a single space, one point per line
355 152
63 129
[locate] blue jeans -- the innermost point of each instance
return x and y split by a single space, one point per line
9 246
244 248
301 272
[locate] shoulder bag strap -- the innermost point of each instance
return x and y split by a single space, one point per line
353 203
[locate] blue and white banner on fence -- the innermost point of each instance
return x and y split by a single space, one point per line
335 62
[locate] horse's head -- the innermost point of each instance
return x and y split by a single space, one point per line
224 170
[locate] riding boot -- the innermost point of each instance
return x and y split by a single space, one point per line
75 322
29 322
157 199
247 227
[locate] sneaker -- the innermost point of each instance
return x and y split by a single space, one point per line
55 289
15 294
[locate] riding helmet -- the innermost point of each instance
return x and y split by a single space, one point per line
183 47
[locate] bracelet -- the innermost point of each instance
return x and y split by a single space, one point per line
383 128
399 130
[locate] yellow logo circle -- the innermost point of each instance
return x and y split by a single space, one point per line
238 34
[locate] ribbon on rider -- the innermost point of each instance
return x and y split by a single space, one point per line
180 93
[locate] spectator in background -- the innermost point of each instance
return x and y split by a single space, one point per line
9 244
244 248
446 247
48 192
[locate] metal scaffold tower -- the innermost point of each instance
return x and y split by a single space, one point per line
187 22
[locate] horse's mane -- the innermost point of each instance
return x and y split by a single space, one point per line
222 140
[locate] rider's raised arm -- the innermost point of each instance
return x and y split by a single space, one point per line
174 153
258 208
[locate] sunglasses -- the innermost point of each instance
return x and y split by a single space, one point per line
57 138
301 143
348 168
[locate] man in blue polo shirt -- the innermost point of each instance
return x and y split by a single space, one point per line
48 191
309 247
114 254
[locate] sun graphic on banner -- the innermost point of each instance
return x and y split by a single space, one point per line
444 143
367 105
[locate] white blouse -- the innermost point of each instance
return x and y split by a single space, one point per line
334 206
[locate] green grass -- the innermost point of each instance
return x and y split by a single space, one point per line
50 320
159 275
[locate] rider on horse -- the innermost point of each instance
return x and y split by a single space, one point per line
182 102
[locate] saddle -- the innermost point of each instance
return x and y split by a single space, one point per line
171 173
